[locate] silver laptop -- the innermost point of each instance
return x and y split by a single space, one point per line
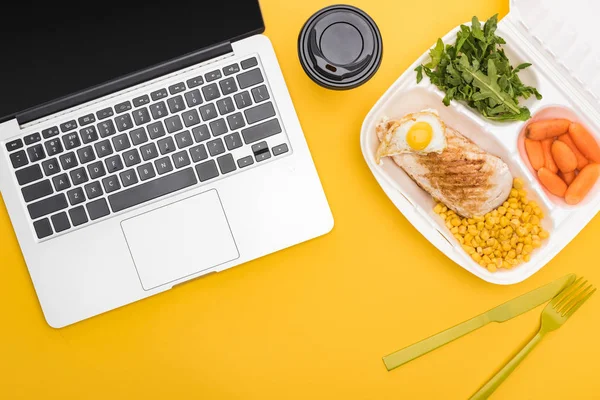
144 148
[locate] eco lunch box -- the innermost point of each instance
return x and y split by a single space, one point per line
557 37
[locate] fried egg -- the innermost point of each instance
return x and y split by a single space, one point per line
421 132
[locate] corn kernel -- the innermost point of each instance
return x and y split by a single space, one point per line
471 221
485 234
491 267
526 257
491 242
519 249
486 259
497 253
527 249
506 246
544 234
518 183
449 225
479 250
487 251
483 263
454 230
480 226
462 229
527 240
505 204
438 208
494 213
513 193
476 257
536 243
470 250
455 222
514 206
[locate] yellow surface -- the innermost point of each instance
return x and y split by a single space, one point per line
313 321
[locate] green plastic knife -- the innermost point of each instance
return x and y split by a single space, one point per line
500 313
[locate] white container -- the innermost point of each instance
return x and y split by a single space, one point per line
557 37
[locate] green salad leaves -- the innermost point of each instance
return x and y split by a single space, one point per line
476 70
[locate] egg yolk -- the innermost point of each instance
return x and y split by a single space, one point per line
419 135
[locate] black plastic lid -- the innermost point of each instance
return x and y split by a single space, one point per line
340 47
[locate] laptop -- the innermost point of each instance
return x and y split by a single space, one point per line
143 148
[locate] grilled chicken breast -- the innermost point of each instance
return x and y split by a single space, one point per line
463 176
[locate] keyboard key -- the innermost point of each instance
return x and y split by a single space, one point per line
86 154
242 100
51 167
261 131
226 164
156 130
33 138
259 113
61 182
260 147
105 113
121 142
244 162
163 165
124 122
212 76
235 121
96 170
68 161
193 98
198 153
197 81
190 118
14 145
208 112
260 93
263 156
176 88
233 141
47 206
207 170
149 151
122 107
78 176
210 92
78 216
18 159
231 69
93 190
71 140
249 63
106 128
128 177
138 136
36 153
201 133
140 101
76 196
250 78
146 172
86 119
111 183
53 147
131 157
29 174
218 127
37 190
176 104
152 190
215 147
88 134
228 86
42 228
184 139
68 126
113 164
159 94
181 159
49 132
166 145
141 116
280 149
98 209
225 106
173 124
158 110
103 148
60 222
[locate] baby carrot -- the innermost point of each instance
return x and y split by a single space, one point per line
548 128
585 142
548 160
582 184
563 157
552 182
581 160
567 176
535 153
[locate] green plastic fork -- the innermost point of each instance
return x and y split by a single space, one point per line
555 314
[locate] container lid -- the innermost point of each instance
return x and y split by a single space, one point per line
340 47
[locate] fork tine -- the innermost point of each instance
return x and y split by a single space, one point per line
569 292
574 299
576 306
564 292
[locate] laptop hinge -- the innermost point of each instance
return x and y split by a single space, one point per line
123 82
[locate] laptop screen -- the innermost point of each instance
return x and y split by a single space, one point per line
49 52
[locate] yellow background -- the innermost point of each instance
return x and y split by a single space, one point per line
313 321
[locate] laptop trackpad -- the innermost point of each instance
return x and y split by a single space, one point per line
180 239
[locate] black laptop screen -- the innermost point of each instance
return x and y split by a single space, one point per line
54 51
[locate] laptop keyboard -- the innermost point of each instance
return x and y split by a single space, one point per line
138 150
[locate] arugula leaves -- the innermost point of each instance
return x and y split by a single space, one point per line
476 70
